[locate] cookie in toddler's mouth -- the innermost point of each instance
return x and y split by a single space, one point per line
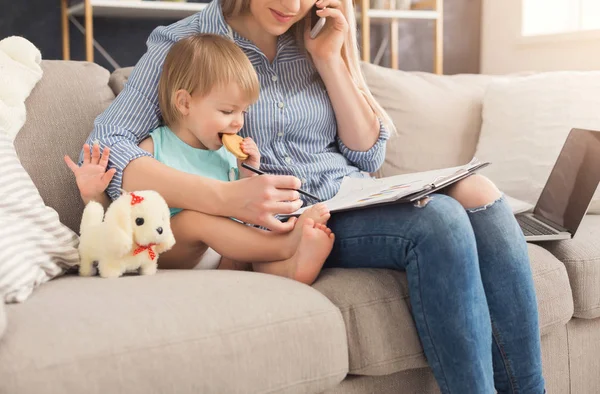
233 143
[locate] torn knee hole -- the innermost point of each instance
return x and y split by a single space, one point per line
422 202
483 207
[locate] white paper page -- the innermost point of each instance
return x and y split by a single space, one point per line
357 192
373 192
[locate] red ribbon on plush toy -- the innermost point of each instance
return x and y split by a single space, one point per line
135 199
141 248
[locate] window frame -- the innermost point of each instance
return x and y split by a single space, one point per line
574 31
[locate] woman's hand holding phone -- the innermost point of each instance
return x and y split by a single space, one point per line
316 22
327 44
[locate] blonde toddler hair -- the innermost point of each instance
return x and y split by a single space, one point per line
199 63
349 50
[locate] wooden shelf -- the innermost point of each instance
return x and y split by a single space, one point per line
431 10
116 9
382 16
138 9
401 14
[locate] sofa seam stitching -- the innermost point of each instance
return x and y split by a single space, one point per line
578 261
388 300
592 309
388 362
299 382
569 360
546 272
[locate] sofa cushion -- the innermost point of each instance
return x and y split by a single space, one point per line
118 79
60 113
196 331
581 256
382 337
438 117
525 123
20 64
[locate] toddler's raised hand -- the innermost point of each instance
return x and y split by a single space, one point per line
249 147
92 177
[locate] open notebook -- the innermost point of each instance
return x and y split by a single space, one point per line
356 193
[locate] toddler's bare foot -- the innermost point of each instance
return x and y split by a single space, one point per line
318 213
314 247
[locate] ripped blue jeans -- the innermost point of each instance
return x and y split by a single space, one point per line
470 286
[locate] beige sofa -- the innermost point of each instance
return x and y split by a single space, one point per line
240 332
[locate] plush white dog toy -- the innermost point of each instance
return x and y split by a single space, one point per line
135 230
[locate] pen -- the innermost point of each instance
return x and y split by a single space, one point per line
259 172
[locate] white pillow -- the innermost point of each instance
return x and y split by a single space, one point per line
525 123
34 245
20 62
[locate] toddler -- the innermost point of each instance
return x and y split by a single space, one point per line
206 85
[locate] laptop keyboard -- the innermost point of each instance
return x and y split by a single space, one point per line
532 227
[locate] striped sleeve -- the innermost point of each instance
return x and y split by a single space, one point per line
372 159
135 112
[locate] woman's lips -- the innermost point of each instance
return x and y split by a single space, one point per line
281 17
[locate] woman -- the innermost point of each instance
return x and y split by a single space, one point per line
466 260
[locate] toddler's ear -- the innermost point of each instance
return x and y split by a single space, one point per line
182 100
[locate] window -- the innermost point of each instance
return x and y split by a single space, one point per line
559 16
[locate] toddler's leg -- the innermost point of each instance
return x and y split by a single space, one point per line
228 264
187 251
195 231
232 240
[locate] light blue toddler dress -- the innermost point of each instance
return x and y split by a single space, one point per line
172 151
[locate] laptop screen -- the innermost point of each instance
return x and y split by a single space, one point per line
573 180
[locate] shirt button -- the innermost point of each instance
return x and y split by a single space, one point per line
274 78
288 160
280 134
303 181
280 105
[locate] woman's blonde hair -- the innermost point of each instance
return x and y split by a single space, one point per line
199 63
350 52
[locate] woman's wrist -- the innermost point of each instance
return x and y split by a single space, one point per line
330 65
223 193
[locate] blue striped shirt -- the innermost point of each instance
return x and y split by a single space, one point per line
293 122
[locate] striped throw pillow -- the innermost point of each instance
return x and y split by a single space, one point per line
34 245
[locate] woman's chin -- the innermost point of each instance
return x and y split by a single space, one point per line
277 29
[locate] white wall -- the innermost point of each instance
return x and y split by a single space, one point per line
503 50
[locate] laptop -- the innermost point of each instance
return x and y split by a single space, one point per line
568 192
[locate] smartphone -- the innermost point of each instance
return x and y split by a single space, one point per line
316 22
